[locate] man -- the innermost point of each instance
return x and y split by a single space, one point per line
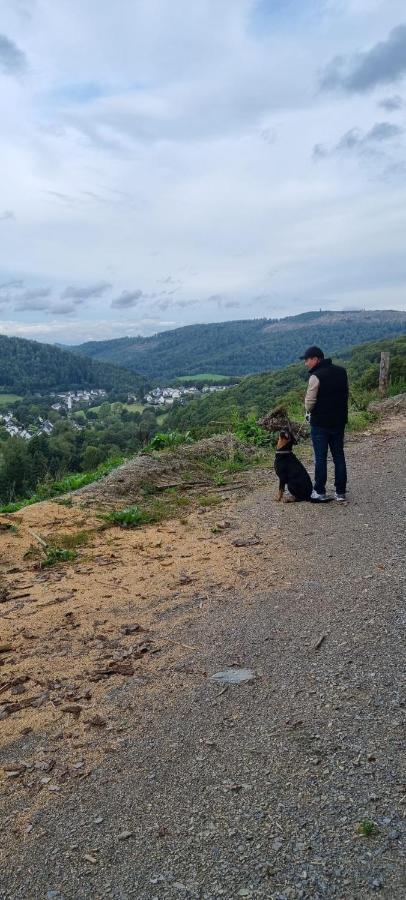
326 405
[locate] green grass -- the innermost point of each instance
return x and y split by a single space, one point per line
70 541
206 378
168 440
55 555
360 419
238 461
209 500
69 483
132 407
129 517
6 399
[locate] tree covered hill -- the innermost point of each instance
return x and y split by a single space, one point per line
28 366
246 346
260 393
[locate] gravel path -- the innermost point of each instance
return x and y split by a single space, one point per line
259 790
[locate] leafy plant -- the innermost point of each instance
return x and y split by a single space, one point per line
247 430
130 517
55 555
219 480
168 440
367 828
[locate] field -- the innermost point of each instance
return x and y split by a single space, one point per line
6 399
206 378
132 407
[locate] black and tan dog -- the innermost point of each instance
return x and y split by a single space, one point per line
290 471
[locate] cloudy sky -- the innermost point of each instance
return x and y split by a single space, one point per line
166 162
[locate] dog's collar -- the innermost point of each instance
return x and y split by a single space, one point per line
283 451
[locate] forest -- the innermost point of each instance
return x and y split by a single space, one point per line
244 347
28 366
257 394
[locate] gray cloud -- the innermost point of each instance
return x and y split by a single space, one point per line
79 294
354 139
7 214
382 64
392 104
62 309
12 59
320 151
381 131
16 284
35 299
127 299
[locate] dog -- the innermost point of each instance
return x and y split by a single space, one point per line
290 471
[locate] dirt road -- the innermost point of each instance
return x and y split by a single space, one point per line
290 785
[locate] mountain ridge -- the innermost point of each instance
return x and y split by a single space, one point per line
244 346
28 366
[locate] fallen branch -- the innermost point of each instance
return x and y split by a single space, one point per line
38 538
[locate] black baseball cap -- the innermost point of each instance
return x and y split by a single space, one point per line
312 351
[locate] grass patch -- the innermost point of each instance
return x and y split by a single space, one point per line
55 555
367 828
168 440
207 378
209 500
176 498
129 517
70 541
359 419
238 461
6 399
148 489
219 480
63 486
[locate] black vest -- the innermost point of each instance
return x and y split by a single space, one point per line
331 409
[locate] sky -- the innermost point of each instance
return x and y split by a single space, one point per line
167 162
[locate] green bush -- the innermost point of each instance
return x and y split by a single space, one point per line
169 440
247 430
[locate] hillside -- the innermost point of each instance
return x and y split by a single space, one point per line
244 347
259 393
28 366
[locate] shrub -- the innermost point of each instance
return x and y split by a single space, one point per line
246 429
55 555
167 440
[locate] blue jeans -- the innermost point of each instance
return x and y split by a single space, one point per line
323 439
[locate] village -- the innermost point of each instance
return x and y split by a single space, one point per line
64 401
166 396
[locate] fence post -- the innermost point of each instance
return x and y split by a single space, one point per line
384 374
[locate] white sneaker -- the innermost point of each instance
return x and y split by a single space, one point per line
321 498
340 497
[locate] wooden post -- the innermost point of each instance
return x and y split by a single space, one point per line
384 374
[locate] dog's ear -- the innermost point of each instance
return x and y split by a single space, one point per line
284 433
